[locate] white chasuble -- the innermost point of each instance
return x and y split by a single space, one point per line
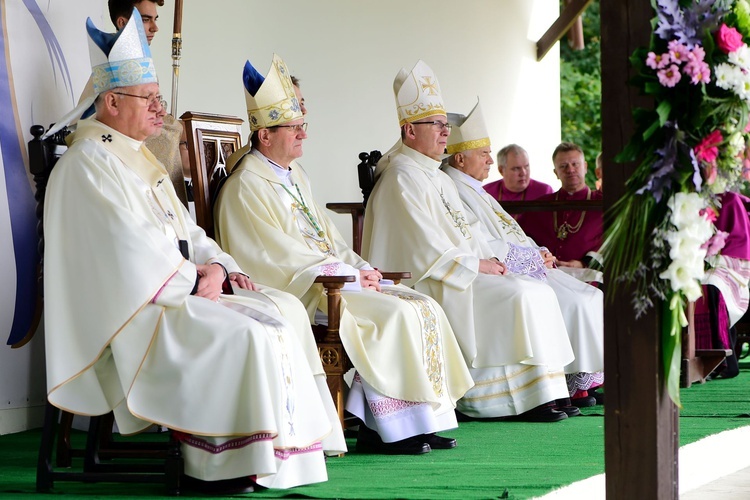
582 305
415 220
399 341
124 333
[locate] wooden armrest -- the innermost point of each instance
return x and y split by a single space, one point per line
396 276
332 281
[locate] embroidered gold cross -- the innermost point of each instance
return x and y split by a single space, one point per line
429 86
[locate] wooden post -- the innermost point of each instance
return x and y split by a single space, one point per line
641 430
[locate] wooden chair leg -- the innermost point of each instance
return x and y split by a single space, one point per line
44 480
64 453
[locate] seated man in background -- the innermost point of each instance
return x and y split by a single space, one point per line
573 236
468 164
414 220
146 316
409 369
516 184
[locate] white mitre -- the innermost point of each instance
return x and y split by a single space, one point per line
121 59
271 100
417 94
469 132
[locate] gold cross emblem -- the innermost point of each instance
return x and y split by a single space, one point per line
429 86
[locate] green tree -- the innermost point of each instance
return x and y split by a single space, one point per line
581 90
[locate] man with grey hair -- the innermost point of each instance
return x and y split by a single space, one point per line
516 184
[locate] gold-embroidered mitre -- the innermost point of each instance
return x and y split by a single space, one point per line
469 132
417 94
271 100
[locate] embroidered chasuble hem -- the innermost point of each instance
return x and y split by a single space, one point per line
515 390
119 330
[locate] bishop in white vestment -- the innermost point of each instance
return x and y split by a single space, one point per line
410 371
415 220
581 304
136 321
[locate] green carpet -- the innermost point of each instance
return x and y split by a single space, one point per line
493 459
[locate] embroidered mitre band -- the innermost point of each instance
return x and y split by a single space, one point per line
469 132
271 100
417 94
121 59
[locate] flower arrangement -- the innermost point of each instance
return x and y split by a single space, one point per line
692 146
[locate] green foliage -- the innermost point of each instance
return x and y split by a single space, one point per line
581 91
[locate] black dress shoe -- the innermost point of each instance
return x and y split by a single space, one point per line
437 442
584 402
542 413
368 441
234 486
565 406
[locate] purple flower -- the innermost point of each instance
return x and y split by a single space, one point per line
688 24
669 77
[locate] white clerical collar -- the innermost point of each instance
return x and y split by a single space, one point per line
467 179
283 173
422 160
129 141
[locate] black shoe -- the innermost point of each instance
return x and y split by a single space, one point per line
368 441
234 486
566 407
598 395
437 442
542 413
584 402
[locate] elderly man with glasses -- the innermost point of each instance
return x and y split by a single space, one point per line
147 317
415 220
409 369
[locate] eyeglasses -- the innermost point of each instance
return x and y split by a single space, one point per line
296 128
437 124
151 99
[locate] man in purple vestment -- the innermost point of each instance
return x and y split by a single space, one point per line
516 184
573 236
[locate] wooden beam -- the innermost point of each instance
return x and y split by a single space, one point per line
641 430
555 32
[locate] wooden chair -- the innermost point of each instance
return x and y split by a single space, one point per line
211 140
366 175
104 458
697 364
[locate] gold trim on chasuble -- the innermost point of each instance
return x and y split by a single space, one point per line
510 226
432 355
457 216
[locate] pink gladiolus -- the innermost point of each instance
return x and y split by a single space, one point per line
707 150
728 39
709 213
714 245
669 77
657 61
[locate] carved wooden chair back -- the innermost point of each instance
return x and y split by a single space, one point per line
211 139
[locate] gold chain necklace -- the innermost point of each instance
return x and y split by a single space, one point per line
566 229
